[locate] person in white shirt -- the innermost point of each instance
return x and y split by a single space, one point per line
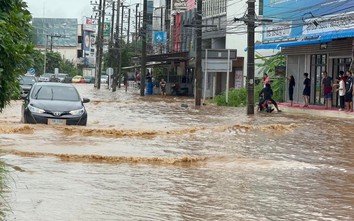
341 90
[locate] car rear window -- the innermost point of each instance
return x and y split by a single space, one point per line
46 92
27 80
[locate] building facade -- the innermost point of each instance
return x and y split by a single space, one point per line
73 41
315 36
58 35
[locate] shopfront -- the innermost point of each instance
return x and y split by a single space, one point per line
315 36
314 59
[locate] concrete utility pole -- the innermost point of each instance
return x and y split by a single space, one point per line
111 42
101 45
198 55
112 23
98 46
136 27
250 56
128 33
121 46
143 50
116 47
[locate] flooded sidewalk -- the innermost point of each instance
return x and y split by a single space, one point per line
152 158
316 111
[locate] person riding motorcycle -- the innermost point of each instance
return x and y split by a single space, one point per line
267 94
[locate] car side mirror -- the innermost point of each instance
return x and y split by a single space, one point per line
85 100
23 96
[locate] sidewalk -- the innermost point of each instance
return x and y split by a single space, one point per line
315 110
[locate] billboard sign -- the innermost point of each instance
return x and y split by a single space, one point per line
106 29
179 5
191 4
86 43
292 19
89 24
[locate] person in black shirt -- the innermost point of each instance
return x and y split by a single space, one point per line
307 90
267 93
349 92
291 89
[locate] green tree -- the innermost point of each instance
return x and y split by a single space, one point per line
53 61
37 61
15 46
68 67
269 65
237 97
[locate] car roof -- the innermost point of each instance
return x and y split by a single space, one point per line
53 84
27 76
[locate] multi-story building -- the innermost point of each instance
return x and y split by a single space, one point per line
64 35
57 34
219 31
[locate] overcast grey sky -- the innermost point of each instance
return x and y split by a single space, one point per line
63 8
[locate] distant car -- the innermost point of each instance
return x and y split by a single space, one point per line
55 104
104 79
78 79
46 77
26 83
64 78
89 79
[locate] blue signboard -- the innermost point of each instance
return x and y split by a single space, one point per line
306 19
160 37
32 71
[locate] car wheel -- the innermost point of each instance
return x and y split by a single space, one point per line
83 123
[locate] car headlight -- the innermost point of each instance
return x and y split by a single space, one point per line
77 112
35 109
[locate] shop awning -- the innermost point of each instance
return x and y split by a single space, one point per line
280 45
336 34
265 46
300 43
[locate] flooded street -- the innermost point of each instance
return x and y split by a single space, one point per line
149 158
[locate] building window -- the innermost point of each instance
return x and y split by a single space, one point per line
214 7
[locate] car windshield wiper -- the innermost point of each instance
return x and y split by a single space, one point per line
52 93
36 95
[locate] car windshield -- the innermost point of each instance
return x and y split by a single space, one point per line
62 75
50 92
27 80
46 75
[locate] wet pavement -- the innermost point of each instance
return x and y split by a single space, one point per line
149 158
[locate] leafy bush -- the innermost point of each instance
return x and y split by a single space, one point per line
237 98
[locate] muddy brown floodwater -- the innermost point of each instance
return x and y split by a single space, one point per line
149 158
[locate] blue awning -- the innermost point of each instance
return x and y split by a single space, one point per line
288 44
336 34
300 43
265 46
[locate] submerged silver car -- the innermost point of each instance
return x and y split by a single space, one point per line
54 103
